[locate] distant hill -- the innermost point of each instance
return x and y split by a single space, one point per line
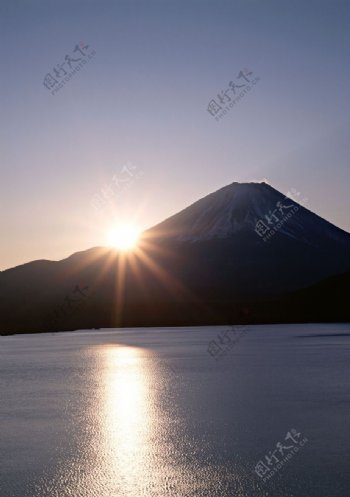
244 253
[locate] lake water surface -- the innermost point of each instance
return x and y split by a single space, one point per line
153 413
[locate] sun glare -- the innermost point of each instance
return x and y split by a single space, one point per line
123 237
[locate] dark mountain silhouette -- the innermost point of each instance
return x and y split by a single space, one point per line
245 253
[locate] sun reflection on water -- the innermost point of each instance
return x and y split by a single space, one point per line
126 416
130 436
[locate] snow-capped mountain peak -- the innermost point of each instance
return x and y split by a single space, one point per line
237 208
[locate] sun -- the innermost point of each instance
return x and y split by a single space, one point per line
123 237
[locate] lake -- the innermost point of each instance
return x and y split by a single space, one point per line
198 411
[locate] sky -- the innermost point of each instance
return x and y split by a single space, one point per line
129 138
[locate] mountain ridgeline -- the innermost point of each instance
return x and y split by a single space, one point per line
243 254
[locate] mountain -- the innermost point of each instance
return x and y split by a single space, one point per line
253 241
240 254
236 208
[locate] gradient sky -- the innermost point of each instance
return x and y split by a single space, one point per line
142 99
